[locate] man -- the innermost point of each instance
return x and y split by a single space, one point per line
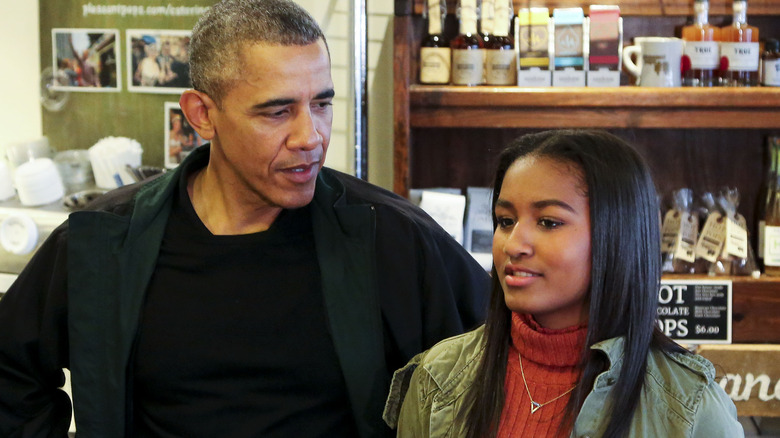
250 292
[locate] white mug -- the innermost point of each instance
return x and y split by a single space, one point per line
658 61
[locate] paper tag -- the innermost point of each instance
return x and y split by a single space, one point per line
736 238
712 238
670 230
685 244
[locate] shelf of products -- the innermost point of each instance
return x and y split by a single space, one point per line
630 7
693 137
621 107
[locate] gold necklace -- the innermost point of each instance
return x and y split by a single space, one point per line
535 406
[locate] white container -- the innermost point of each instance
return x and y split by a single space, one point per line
38 182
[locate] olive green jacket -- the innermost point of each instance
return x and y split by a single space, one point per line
679 399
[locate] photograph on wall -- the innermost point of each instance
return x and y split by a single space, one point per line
86 60
180 137
158 60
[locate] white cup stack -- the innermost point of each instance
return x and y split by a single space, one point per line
110 157
38 182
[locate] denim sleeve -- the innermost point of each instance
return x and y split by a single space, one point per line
716 415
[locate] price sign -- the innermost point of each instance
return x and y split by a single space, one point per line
695 311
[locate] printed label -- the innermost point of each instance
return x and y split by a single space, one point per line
670 230
772 246
568 40
501 67
703 54
772 73
533 38
712 238
685 246
736 238
740 56
467 66
435 65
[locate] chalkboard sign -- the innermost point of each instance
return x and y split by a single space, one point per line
695 311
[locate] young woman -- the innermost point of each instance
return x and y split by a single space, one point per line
570 346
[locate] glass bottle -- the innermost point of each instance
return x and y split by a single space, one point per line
468 49
435 54
501 61
771 250
771 63
700 57
765 195
739 50
487 14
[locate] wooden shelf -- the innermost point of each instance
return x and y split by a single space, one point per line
636 7
623 107
755 302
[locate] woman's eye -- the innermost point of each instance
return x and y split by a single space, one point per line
505 222
550 223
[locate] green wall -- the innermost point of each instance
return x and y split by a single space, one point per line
89 116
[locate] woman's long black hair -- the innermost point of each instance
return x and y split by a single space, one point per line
625 276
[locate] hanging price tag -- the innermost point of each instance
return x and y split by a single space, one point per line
712 239
670 230
685 245
736 238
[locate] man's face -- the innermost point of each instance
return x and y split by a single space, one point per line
273 130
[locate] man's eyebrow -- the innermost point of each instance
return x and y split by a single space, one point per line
273 103
327 94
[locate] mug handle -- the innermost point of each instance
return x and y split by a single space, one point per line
633 68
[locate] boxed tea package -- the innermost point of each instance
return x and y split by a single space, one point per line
605 45
568 47
532 42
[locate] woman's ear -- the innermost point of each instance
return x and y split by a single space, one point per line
199 110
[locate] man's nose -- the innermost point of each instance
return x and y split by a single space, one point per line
304 134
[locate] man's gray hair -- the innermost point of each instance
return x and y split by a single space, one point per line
221 33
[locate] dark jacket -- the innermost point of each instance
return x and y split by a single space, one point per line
394 283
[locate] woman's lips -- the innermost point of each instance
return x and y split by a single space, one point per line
520 277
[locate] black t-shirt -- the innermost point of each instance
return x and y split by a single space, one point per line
234 339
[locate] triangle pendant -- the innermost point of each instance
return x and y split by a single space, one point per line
535 406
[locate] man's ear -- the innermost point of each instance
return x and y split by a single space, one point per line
199 110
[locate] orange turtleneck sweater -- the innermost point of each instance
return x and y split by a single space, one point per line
550 364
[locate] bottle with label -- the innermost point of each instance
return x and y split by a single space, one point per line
771 63
468 49
739 51
700 57
771 234
435 54
501 62
765 193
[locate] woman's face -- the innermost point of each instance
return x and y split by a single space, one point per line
541 245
